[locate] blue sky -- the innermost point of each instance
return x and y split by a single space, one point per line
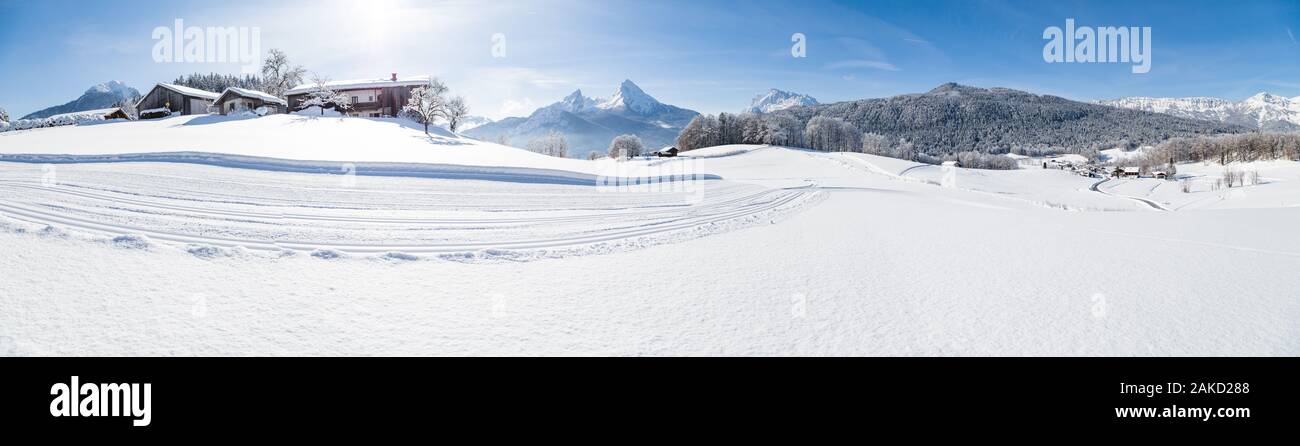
709 56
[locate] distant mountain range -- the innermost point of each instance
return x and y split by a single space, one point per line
105 95
588 124
954 118
1263 111
775 100
474 121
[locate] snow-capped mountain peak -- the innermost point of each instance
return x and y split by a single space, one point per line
575 102
1264 110
774 100
588 123
105 95
1263 98
630 97
111 87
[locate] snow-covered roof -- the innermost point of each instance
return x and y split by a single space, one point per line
187 91
101 112
264 96
356 84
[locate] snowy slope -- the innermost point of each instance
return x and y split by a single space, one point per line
332 140
792 252
1277 187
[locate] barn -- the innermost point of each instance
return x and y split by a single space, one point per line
235 100
369 97
666 152
168 99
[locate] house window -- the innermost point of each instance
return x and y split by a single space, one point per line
354 100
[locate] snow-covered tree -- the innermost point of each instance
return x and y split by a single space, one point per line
875 144
456 112
701 132
4 115
129 109
832 135
216 82
278 75
322 95
625 146
427 103
553 144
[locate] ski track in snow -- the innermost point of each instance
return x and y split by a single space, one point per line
792 253
1096 187
180 209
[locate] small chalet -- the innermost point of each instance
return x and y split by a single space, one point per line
1126 172
116 113
168 99
666 152
236 100
1160 175
369 97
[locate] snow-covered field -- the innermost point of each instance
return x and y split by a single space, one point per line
778 252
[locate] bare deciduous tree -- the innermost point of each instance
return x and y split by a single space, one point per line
427 103
456 112
553 144
128 108
323 95
278 75
625 147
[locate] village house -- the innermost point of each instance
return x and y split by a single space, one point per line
116 113
369 97
236 100
1126 172
666 152
168 99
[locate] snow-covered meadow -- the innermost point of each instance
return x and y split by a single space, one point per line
223 236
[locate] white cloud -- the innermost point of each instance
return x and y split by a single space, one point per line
512 107
521 75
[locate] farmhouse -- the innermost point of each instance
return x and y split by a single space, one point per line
369 97
1126 172
666 152
165 99
235 100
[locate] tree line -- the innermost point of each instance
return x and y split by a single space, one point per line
973 126
1221 149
